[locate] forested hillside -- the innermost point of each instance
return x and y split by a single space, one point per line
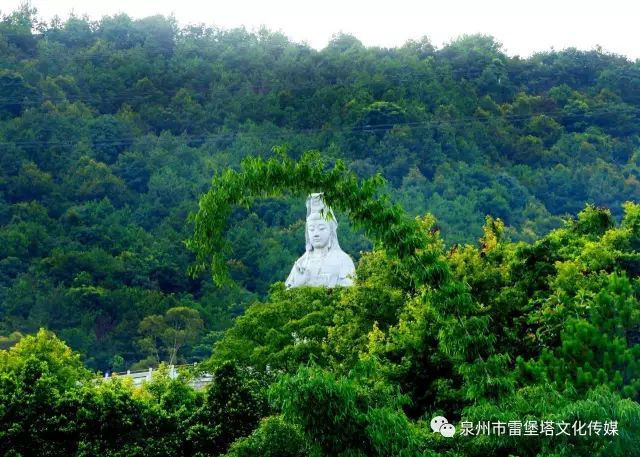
526 349
111 130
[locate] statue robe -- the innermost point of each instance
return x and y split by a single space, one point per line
330 269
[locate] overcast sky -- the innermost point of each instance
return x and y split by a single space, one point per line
523 27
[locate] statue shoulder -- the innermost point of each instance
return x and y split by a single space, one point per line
347 269
301 260
345 261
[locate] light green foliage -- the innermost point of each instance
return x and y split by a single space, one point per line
111 130
167 334
273 438
348 416
475 331
288 330
49 353
379 219
115 128
51 405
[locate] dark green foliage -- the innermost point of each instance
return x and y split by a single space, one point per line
347 416
115 128
274 438
475 333
111 130
287 331
52 406
359 371
232 408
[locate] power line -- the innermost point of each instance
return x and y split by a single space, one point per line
286 131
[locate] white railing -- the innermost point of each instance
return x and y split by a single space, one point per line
141 376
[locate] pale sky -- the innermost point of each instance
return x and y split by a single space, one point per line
523 27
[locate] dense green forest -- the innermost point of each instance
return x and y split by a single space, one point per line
544 333
111 131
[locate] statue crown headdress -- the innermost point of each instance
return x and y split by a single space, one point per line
317 207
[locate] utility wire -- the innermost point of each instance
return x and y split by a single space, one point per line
286 131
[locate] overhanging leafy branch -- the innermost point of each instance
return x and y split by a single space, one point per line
383 222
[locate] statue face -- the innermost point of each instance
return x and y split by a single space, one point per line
319 233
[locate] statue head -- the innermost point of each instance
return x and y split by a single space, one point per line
321 226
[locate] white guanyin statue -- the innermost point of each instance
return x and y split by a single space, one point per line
323 263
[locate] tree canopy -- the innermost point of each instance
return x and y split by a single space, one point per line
490 203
